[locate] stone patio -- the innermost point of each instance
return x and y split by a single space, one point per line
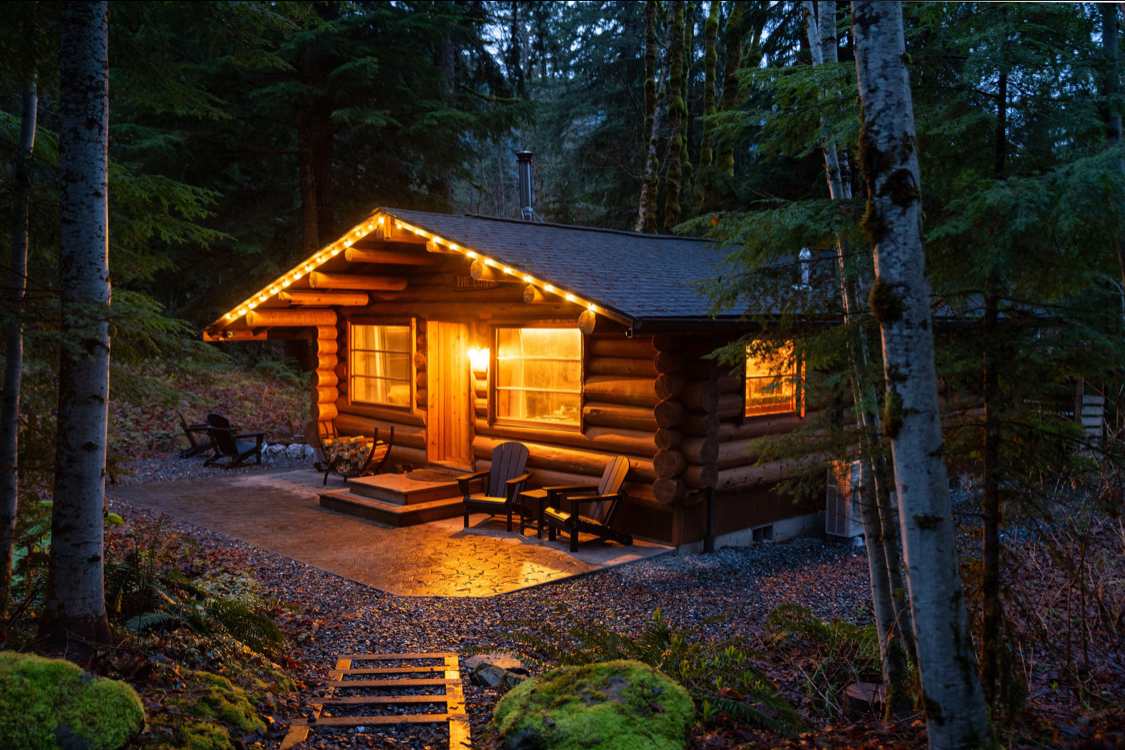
280 512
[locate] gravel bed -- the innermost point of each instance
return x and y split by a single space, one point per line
722 595
171 468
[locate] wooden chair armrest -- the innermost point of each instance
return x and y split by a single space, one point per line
464 482
566 489
514 485
259 436
575 503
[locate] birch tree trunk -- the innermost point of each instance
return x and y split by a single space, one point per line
733 51
13 339
876 512
650 185
955 708
75 616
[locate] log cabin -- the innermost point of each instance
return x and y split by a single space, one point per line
463 332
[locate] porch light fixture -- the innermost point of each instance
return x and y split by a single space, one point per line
478 359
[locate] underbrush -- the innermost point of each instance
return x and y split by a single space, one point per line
194 633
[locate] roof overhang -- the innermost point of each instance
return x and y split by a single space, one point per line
232 326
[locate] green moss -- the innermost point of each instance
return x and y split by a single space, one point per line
51 703
217 699
886 304
613 705
892 414
204 735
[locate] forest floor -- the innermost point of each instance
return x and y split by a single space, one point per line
225 641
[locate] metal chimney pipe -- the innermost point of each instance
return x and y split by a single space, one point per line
526 185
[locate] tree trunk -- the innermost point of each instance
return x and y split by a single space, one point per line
733 50
75 616
13 369
876 512
677 119
710 102
650 186
955 707
991 643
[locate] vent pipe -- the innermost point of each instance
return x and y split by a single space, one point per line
526 185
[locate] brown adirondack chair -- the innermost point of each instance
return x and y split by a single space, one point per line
196 434
501 484
331 460
236 448
591 509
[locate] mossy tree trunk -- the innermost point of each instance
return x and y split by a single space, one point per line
1110 90
710 103
877 513
650 185
677 118
13 337
954 702
74 616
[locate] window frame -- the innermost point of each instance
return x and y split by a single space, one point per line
412 379
798 400
495 388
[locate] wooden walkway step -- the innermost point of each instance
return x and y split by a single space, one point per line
452 697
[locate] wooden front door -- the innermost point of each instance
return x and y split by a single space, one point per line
448 422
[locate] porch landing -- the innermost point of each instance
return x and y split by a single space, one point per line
280 512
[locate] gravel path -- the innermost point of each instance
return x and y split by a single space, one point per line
722 595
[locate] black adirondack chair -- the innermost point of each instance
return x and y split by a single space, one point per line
197 437
591 509
331 460
500 485
236 448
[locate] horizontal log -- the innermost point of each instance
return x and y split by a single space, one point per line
327 346
621 390
240 335
701 395
533 295
604 346
610 439
480 271
669 385
616 415
621 366
327 333
383 413
668 491
699 423
420 378
559 458
402 454
669 413
326 412
290 318
326 361
668 464
389 257
325 378
324 299
591 323
411 436
752 475
736 453
327 394
320 280
667 438
751 427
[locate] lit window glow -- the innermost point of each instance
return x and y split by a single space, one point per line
772 382
539 375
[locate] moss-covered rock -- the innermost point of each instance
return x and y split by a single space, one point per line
53 703
613 705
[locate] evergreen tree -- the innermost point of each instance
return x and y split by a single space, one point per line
677 118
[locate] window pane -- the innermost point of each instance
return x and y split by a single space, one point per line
381 365
771 382
539 374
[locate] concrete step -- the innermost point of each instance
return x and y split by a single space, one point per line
392 514
400 489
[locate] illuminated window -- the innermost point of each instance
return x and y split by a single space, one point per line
380 371
539 375
771 382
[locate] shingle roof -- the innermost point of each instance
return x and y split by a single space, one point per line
640 275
